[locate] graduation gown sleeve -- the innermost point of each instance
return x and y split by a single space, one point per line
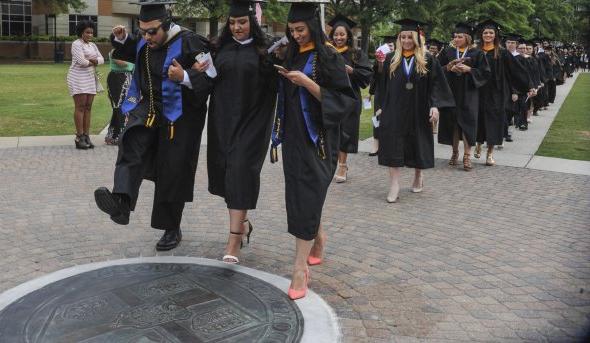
337 96
441 95
518 77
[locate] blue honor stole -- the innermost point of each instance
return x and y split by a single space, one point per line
313 132
171 91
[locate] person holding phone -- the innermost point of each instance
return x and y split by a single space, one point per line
82 80
360 74
467 70
315 95
416 89
240 119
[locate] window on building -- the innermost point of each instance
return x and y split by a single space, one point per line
16 17
76 18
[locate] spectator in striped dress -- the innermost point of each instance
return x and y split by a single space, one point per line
83 82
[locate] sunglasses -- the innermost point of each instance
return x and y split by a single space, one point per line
150 32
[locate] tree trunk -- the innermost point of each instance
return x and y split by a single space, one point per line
365 34
213 26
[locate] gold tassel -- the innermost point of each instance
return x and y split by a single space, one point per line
150 120
171 131
322 146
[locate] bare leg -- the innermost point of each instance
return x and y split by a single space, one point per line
88 113
375 145
319 243
79 109
418 180
236 225
394 173
302 250
466 146
490 158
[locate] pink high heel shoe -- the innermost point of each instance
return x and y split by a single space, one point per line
314 261
295 294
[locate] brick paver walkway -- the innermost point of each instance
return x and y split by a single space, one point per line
498 254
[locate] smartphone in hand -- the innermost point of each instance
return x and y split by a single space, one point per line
281 68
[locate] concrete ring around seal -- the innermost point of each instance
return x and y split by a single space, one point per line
318 323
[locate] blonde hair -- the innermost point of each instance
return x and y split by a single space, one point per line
419 53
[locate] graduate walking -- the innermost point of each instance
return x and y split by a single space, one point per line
166 107
315 95
467 71
507 75
240 119
360 74
415 88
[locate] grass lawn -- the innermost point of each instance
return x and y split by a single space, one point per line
366 128
34 101
569 135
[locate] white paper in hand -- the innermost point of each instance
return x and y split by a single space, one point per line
211 71
375 121
384 49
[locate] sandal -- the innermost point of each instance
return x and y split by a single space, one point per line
341 179
231 259
454 157
467 162
490 160
477 153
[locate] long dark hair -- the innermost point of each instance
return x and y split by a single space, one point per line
256 33
348 33
318 38
497 45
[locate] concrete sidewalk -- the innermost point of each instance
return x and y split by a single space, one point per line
521 152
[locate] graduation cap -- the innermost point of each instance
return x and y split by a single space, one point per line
512 37
152 9
389 38
435 42
339 19
242 8
410 25
464 28
489 24
302 10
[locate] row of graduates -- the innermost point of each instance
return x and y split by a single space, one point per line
305 98
296 98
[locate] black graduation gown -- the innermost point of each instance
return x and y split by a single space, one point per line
360 78
507 74
465 89
170 163
541 99
240 120
406 132
307 176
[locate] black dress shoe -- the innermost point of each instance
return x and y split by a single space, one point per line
509 139
169 240
373 154
112 204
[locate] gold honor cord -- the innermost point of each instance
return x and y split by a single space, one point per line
151 111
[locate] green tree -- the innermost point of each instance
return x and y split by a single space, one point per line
60 6
556 16
368 13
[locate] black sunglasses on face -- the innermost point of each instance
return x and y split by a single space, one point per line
151 31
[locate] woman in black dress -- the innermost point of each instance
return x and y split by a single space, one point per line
240 119
315 95
508 75
360 73
415 88
467 70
